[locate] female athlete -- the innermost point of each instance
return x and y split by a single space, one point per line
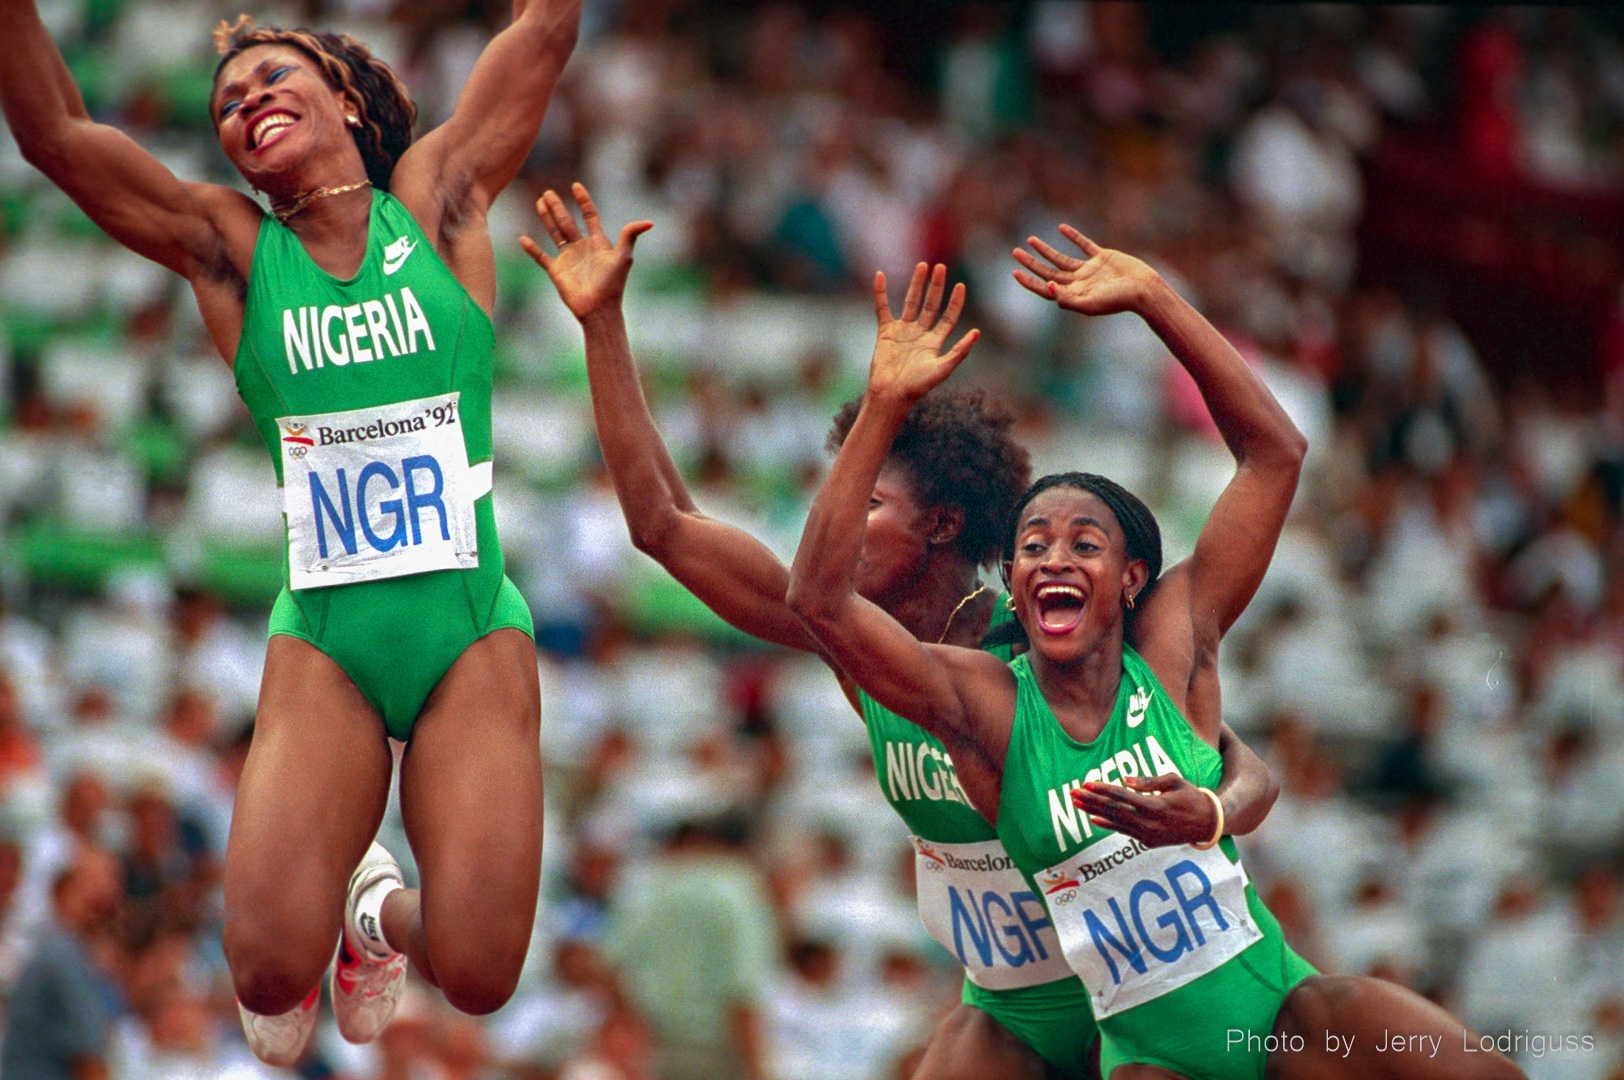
1187 972
935 512
356 316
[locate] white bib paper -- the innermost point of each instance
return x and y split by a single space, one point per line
975 903
1138 922
378 493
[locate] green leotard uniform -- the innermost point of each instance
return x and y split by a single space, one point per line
1177 951
973 901
373 396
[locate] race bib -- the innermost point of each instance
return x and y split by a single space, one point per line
378 493
975 903
1138 922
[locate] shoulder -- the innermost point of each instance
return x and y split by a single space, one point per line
977 663
1164 634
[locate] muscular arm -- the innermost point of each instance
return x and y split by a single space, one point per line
450 177
1240 533
964 697
1178 627
732 572
122 188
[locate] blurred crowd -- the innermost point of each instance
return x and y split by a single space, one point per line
1434 665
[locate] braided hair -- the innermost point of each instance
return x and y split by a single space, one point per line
385 110
1139 528
957 448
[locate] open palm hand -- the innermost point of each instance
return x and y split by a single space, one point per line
1104 282
908 358
589 272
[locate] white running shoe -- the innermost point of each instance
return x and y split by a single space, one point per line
279 1040
365 986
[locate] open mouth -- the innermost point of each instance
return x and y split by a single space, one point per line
268 128
1059 607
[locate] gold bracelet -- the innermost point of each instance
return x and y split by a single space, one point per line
1218 831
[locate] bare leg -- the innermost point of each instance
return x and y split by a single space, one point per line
312 794
970 1045
1396 1035
470 793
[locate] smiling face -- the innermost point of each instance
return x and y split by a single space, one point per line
1071 571
275 112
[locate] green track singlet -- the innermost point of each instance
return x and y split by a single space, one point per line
373 396
1177 951
974 902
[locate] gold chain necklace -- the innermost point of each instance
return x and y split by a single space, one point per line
979 589
320 193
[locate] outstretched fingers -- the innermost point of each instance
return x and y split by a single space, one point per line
955 356
630 233
533 249
589 210
1089 247
1056 256
556 216
882 302
933 296
916 292
955 307
1045 289
1035 266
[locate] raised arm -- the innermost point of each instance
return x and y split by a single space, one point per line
450 177
121 187
733 573
953 693
1215 584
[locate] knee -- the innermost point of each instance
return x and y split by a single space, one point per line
477 954
270 985
477 989
271 972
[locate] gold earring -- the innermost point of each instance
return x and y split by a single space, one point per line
1130 601
1009 602
353 121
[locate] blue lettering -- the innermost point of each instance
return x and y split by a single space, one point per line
1102 937
1189 903
1014 932
345 526
981 941
1181 944
415 500
385 506
1021 899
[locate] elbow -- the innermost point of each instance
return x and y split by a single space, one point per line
1259 805
1268 796
1294 446
1283 453
810 602
563 25
39 149
653 533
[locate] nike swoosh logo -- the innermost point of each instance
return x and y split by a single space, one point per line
394 256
